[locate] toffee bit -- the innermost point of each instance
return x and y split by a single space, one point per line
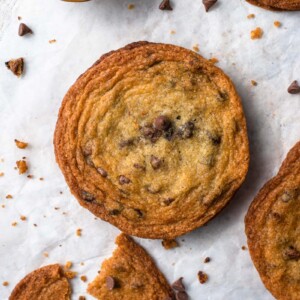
257 33
68 265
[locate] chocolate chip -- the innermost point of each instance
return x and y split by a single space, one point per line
214 137
138 212
178 285
208 4
139 167
168 201
110 283
150 133
162 123
294 88
207 260
155 162
186 130
203 277
87 196
165 5
114 212
168 134
102 172
124 180
291 253
182 296
16 66
223 96
24 29
126 143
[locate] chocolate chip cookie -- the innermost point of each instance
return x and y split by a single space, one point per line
273 230
46 283
277 4
152 138
130 274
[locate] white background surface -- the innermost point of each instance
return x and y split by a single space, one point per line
28 111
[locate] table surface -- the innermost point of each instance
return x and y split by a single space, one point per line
28 111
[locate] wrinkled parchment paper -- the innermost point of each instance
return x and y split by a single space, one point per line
29 107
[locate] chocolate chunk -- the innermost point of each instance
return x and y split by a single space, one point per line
102 172
165 5
168 201
291 253
208 4
126 143
185 131
207 260
24 29
294 88
162 123
16 66
150 133
139 167
87 196
110 283
124 180
203 277
182 296
155 162
178 285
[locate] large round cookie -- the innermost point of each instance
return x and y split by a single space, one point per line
277 4
273 230
152 138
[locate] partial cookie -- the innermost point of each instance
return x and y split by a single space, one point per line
273 230
130 274
46 283
152 138
277 4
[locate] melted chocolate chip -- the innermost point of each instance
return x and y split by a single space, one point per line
186 130
223 96
178 285
215 138
110 283
168 134
165 5
126 143
162 123
114 212
155 162
139 167
87 196
291 253
208 4
102 172
138 212
150 133
124 180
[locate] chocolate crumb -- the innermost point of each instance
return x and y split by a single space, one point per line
294 88
16 66
162 123
178 285
9 196
24 29
110 283
291 253
244 248
165 5
169 244
124 180
203 277
182 296
207 260
87 196
208 4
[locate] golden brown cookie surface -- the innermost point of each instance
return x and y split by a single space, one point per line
46 283
152 138
130 274
277 4
273 230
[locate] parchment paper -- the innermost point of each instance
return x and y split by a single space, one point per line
29 107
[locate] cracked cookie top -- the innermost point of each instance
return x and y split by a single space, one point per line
152 138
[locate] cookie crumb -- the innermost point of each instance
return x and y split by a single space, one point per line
207 260
19 18
16 66
22 166
257 33
82 263
23 218
213 60
1 174
131 6
52 41
9 196
83 278
46 254
70 274
21 145
244 248
35 225
14 224
251 16
169 244
172 31
5 283
3 205
253 82
203 277
196 48
79 232
277 24
68 265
